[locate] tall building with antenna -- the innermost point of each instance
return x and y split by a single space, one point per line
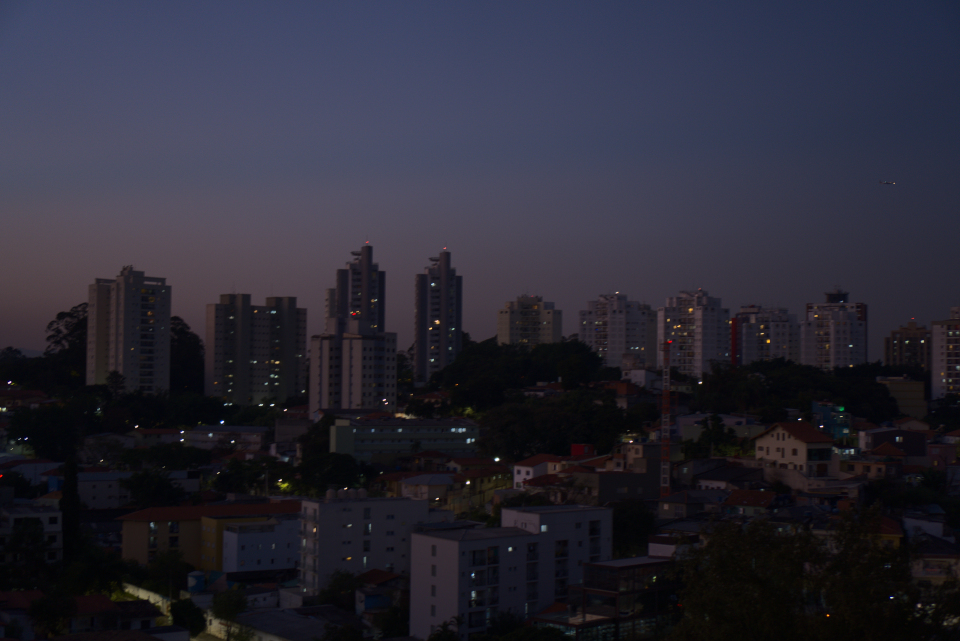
353 364
438 324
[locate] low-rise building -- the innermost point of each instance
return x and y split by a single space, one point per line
246 438
158 529
386 439
272 544
631 598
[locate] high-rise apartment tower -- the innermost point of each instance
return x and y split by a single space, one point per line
128 331
834 333
618 329
255 352
763 334
353 364
908 345
529 321
945 355
438 327
700 330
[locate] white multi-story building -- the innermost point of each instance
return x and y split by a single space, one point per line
945 355
521 567
834 333
353 364
765 333
255 352
128 331
348 531
618 329
273 544
700 330
529 321
48 523
438 328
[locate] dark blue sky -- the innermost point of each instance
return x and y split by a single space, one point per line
557 148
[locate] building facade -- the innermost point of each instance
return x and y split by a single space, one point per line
255 352
699 329
521 567
618 329
763 334
438 326
945 355
908 345
529 321
834 333
384 440
348 531
353 364
128 331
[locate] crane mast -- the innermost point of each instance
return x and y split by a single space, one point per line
666 422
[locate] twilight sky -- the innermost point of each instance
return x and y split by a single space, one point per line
565 149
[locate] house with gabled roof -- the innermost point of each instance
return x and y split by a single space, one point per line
796 452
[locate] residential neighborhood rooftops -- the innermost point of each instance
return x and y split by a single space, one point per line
800 430
196 512
750 498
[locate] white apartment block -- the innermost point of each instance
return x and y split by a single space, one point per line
619 329
348 531
386 439
128 331
353 364
521 567
47 519
945 356
700 330
438 324
834 333
765 333
529 321
262 545
255 352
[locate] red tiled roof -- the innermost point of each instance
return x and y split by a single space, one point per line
195 512
431 454
542 480
800 430
750 498
538 459
26 461
94 604
19 600
887 449
474 460
575 469
890 526
482 472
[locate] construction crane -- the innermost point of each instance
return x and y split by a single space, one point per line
666 422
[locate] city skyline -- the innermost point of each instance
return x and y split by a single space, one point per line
556 149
